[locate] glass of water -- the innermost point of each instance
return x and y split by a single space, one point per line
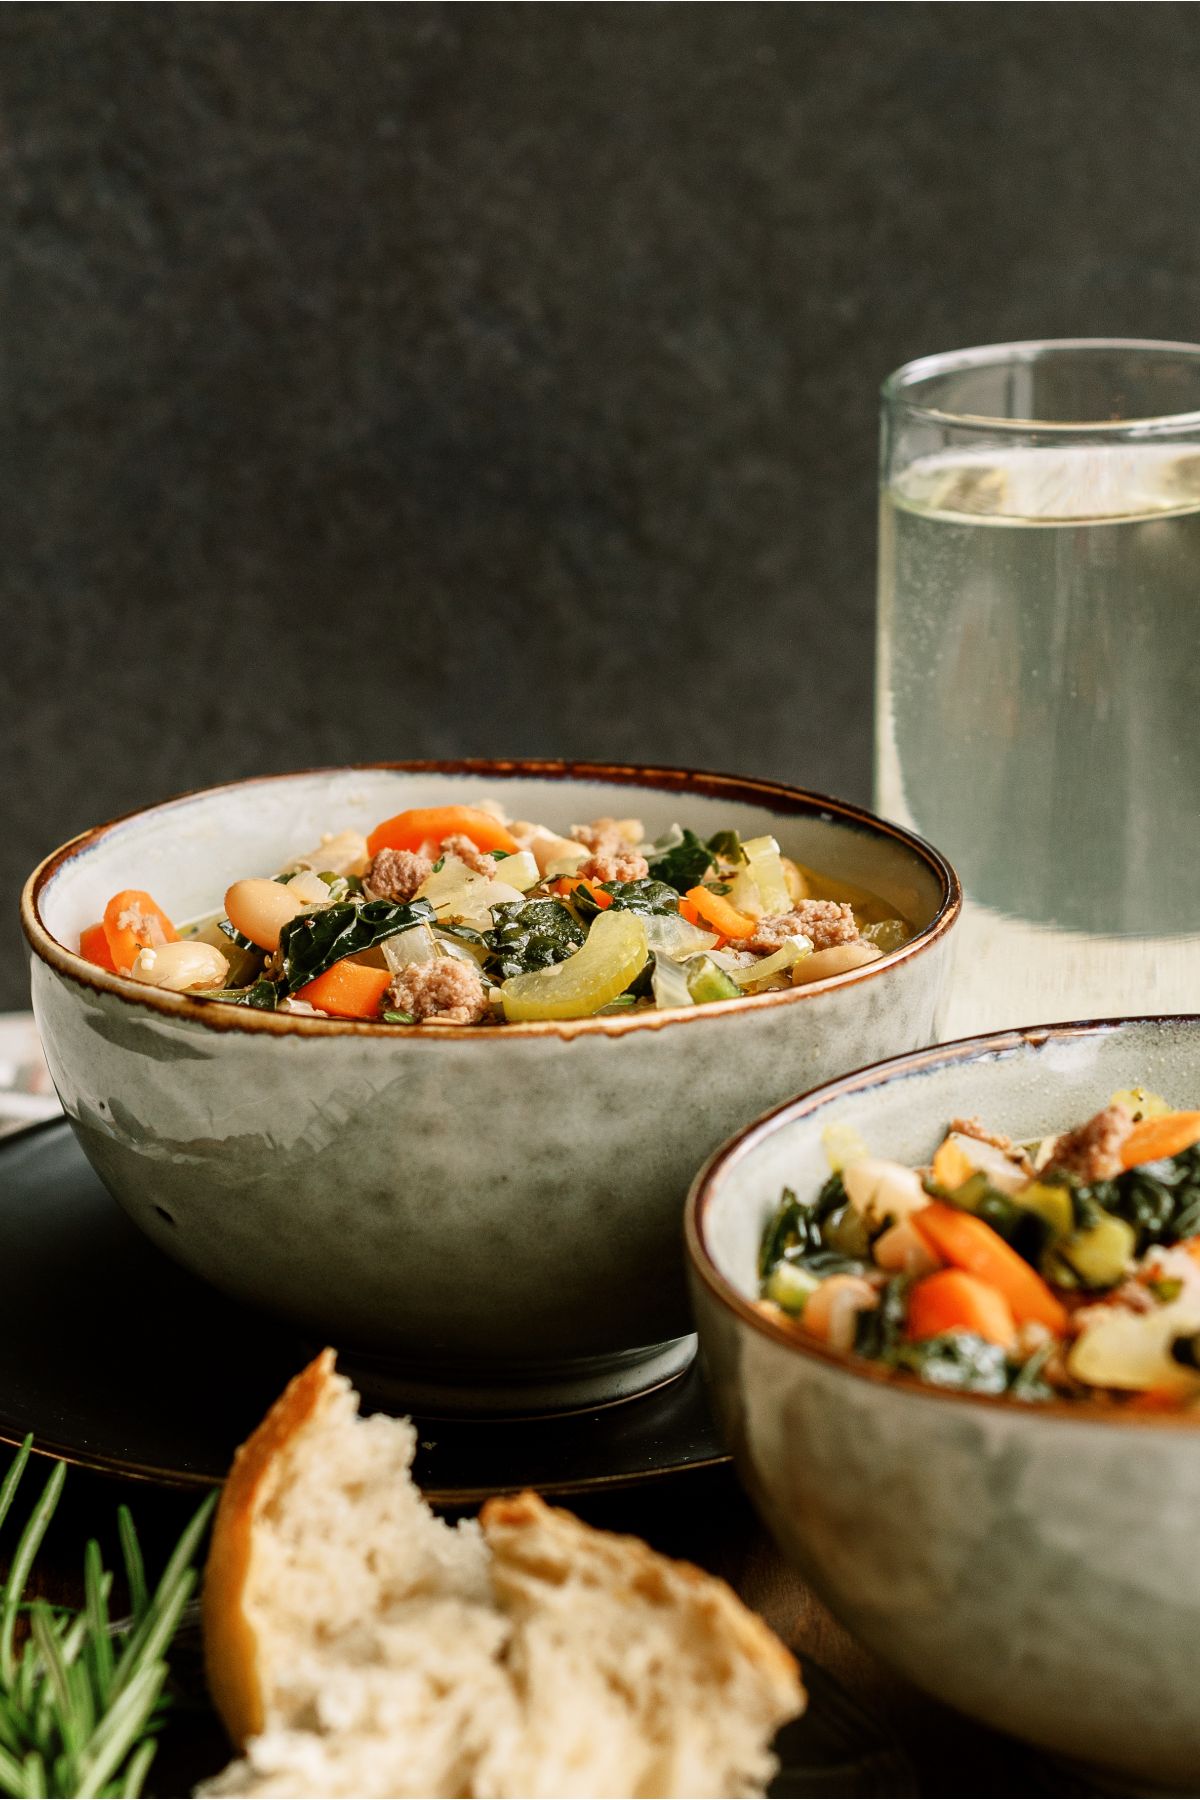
1038 700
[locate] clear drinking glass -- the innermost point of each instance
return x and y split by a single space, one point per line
1038 699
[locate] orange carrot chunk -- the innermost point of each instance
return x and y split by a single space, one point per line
424 827
94 945
1168 1135
567 884
715 910
134 921
952 1300
965 1242
349 990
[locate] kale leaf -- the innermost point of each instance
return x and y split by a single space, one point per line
531 934
795 1230
1161 1200
956 1359
642 896
879 1330
727 845
314 941
685 865
262 994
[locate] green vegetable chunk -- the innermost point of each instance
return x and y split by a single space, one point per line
531 934
708 982
684 865
650 897
957 1359
790 1287
313 942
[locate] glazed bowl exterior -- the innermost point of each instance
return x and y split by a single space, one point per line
493 1212
1035 1566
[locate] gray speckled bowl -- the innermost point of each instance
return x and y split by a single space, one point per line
1035 1566
492 1212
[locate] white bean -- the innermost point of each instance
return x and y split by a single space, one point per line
259 909
181 967
834 961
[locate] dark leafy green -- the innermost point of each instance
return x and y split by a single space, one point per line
531 934
795 1231
1161 1200
727 845
236 937
683 866
643 896
263 994
315 941
956 1359
1027 1232
879 1330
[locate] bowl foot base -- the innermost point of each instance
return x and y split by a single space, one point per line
577 1386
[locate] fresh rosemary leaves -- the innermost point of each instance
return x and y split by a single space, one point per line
82 1696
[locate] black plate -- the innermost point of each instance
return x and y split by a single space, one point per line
117 1359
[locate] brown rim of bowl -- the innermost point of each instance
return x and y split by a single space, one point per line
219 1016
880 1074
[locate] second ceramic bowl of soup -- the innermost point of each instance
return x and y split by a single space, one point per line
493 1212
1033 1565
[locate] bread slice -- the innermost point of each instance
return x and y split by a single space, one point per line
358 1645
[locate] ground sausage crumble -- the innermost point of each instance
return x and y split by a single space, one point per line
826 922
1092 1152
397 874
446 991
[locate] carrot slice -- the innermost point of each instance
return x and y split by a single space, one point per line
134 921
952 1300
349 990
1167 1135
715 910
567 884
425 826
964 1241
94 945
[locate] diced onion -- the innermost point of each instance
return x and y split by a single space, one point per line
756 975
766 866
676 936
407 947
670 982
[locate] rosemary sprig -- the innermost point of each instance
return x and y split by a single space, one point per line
82 1698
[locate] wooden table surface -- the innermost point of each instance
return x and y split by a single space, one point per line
703 1516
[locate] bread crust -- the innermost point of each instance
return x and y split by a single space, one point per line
510 1518
230 1642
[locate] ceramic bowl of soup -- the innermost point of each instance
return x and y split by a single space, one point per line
489 1213
1027 1556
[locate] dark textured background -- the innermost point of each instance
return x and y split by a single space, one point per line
389 381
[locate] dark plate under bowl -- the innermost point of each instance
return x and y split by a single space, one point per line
117 1359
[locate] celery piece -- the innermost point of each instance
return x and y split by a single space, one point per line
706 982
613 956
790 1287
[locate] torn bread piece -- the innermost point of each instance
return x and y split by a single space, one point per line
358 1645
